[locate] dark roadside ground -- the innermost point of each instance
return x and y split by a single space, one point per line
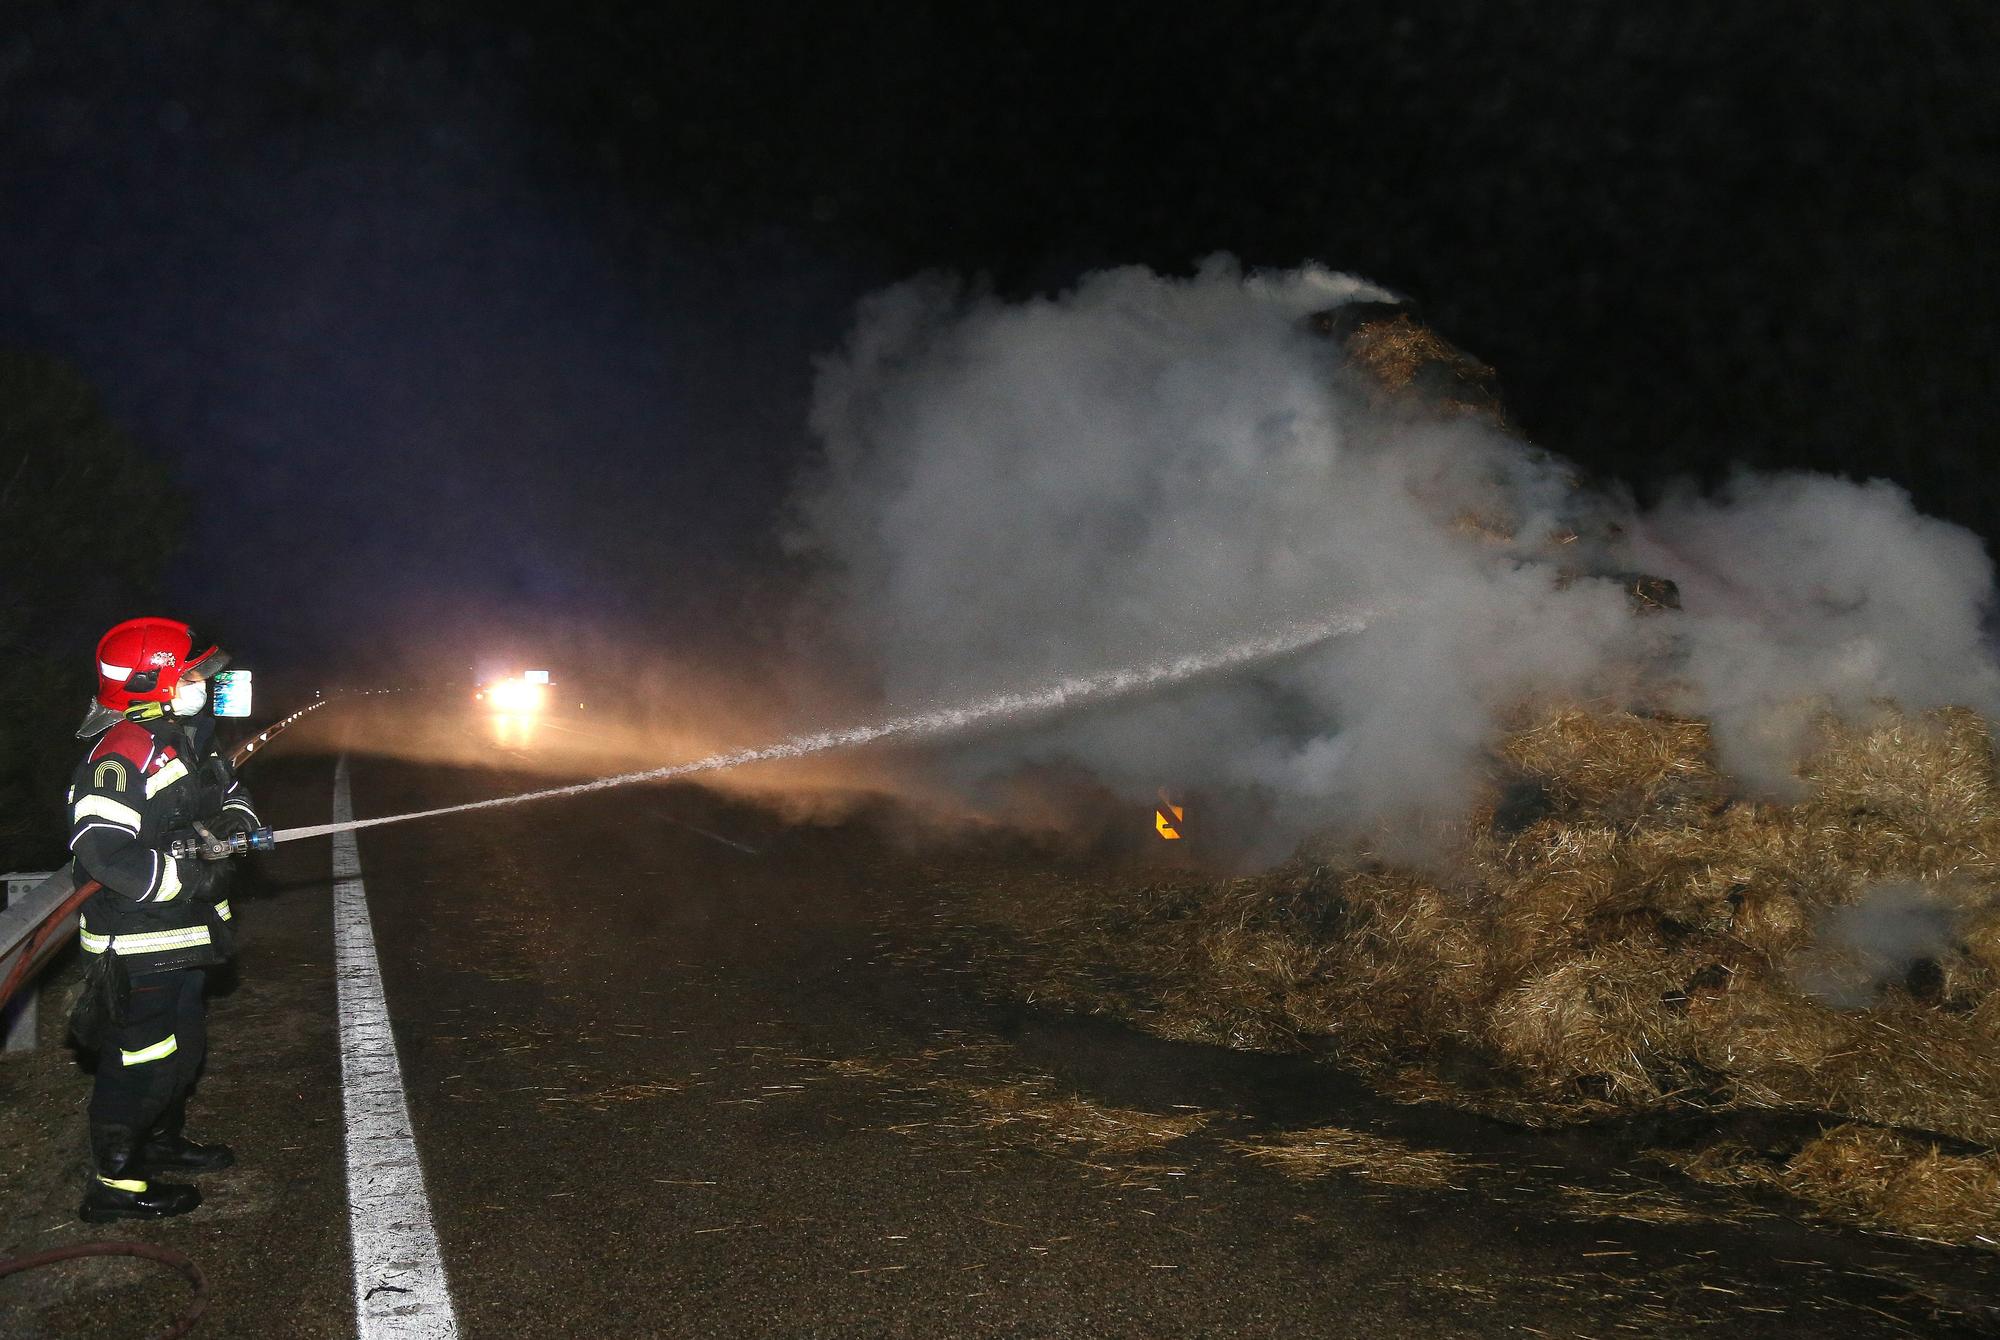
665 1086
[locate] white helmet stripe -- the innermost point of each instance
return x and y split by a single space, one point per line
121 673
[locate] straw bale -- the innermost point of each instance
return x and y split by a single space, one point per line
1869 1176
1410 361
1984 1019
1413 963
1402 920
1963 984
1980 936
1640 939
1898 1064
1603 754
1258 991
1913 1067
1393 350
1772 920
1599 1024
1906 797
1483 526
1762 1041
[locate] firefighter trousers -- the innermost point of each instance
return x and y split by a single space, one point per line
152 1059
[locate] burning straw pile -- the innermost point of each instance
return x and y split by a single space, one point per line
1621 935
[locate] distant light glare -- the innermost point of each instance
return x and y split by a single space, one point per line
515 695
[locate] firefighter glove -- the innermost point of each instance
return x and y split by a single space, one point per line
234 820
201 880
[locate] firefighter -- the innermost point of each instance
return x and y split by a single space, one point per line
160 922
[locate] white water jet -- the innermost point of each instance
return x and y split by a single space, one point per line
1109 684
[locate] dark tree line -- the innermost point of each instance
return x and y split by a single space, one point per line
88 524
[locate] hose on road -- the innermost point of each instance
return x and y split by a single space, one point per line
145 1251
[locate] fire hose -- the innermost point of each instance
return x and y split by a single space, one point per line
145 1251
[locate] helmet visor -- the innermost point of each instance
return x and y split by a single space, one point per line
206 665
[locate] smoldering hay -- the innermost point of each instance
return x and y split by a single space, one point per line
1809 989
1009 492
1691 809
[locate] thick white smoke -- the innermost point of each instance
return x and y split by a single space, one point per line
1144 466
1805 592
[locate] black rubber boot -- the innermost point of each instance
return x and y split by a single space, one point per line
168 1149
119 1189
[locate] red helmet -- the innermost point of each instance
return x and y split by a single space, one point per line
144 661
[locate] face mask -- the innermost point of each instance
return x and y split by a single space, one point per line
190 697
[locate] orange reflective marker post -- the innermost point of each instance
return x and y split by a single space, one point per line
1167 817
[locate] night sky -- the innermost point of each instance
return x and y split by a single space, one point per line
496 323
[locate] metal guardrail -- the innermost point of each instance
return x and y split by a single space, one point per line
36 927
32 899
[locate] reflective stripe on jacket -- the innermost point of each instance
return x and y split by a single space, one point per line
141 783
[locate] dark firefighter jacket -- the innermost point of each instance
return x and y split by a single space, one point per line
141 785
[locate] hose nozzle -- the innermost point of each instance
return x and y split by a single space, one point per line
206 845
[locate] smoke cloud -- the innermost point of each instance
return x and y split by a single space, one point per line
1806 592
1874 943
1144 466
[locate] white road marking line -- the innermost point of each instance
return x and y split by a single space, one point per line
399 1283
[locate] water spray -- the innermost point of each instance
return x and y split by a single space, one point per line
1101 687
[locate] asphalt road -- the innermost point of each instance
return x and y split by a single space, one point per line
665 1086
